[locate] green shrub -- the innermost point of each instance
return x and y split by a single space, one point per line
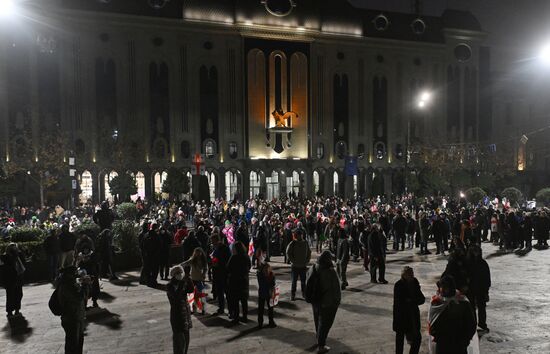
26 234
475 194
513 195
127 211
543 196
89 228
31 249
125 236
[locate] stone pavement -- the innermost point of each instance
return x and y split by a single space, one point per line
135 319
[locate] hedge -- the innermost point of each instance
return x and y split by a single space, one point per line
26 234
127 211
89 228
31 249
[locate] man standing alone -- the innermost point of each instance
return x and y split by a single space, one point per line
298 254
407 296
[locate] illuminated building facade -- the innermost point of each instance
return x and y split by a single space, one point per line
275 93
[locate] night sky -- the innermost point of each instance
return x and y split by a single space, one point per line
516 28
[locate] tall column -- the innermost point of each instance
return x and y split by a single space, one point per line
308 179
4 110
220 192
34 104
245 185
388 183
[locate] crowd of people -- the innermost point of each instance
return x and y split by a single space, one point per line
222 241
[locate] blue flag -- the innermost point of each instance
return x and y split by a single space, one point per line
351 166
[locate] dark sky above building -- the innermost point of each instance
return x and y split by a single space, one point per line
516 28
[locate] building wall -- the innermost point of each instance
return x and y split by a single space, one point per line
167 87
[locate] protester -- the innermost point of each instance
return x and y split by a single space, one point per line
72 297
480 282
451 321
104 217
266 289
106 251
220 257
52 250
407 296
198 267
67 242
377 255
12 266
238 267
326 298
342 258
298 254
180 314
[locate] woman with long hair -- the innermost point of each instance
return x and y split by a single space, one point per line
199 267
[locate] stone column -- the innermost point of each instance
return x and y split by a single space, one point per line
4 109
388 181
220 192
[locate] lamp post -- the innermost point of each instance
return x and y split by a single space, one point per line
423 101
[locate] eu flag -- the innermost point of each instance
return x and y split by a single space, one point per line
351 166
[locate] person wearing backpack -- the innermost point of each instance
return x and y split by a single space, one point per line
324 294
298 254
71 302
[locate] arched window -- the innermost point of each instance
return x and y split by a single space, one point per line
272 184
316 181
190 179
86 187
255 184
158 181
296 183
140 182
335 186
231 184
209 148
211 184
233 150
320 151
108 177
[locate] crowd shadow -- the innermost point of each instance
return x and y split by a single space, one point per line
356 308
17 329
103 317
106 297
126 280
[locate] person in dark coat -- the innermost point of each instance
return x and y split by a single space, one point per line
72 296
180 314
480 282
542 229
452 323
188 245
377 254
342 258
407 296
266 287
440 231
164 260
399 230
238 282
104 217
456 267
327 300
67 242
12 265
220 257
152 246
105 252
144 274
52 250
87 260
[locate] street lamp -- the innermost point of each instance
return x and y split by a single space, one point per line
7 8
422 101
544 54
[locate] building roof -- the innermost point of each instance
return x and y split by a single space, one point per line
331 16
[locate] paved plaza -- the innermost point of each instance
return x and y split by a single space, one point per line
135 319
